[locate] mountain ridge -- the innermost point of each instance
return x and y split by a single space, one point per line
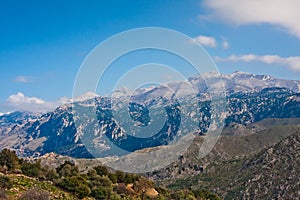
56 131
272 173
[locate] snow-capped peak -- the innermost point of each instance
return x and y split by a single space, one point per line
236 73
85 96
122 92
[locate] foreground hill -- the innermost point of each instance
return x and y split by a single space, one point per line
237 141
23 187
24 180
272 173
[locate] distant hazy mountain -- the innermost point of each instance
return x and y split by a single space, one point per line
250 98
241 81
236 82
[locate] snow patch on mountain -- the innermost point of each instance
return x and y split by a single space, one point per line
85 96
203 84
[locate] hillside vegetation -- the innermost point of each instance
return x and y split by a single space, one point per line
273 173
24 180
236 142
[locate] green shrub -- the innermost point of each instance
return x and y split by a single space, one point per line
204 194
101 170
75 184
5 182
52 174
67 169
177 195
163 191
100 193
33 170
92 174
130 178
9 159
120 176
113 178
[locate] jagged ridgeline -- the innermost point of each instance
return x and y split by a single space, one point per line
151 119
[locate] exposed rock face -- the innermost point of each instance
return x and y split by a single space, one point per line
250 98
275 171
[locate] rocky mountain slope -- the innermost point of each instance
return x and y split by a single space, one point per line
235 142
250 98
273 173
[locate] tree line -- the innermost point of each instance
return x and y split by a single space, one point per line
98 183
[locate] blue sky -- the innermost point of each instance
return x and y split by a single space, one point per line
43 43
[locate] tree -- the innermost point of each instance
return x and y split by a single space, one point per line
52 174
9 159
204 194
130 178
5 182
102 187
101 170
92 175
113 178
67 169
120 176
178 195
32 169
100 193
75 184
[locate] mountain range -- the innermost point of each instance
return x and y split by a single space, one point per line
255 157
249 98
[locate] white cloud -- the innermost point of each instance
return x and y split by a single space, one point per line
21 98
206 41
293 62
21 102
23 79
24 103
283 13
